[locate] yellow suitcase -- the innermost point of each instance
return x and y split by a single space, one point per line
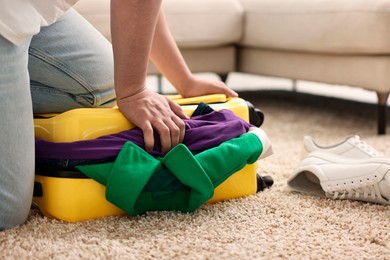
71 196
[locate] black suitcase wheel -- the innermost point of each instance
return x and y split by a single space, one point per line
264 182
256 116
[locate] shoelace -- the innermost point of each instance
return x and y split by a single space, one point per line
366 147
370 192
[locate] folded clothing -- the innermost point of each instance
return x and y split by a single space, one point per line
137 182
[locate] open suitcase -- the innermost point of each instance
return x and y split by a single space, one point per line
69 195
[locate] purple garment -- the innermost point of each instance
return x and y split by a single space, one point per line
202 132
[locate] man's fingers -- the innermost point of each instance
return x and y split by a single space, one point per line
147 130
226 90
182 127
171 132
231 93
174 131
165 135
176 109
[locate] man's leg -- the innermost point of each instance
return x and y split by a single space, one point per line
71 66
17 135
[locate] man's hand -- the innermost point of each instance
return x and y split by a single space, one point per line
153 112
200 87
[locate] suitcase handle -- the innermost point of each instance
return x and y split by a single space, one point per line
208 99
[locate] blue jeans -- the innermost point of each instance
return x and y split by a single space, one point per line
69 64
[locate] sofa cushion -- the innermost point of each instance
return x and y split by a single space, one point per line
97 12
329 26
204 23
199 23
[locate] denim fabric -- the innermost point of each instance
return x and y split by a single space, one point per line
71 66
17 135
68 65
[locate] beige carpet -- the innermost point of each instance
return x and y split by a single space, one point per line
274 224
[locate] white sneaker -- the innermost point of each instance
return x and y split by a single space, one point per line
265 141
338 177
351 147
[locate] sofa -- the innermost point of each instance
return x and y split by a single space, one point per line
328 41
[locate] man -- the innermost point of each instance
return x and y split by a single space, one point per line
52 60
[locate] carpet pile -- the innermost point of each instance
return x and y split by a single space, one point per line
273 224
